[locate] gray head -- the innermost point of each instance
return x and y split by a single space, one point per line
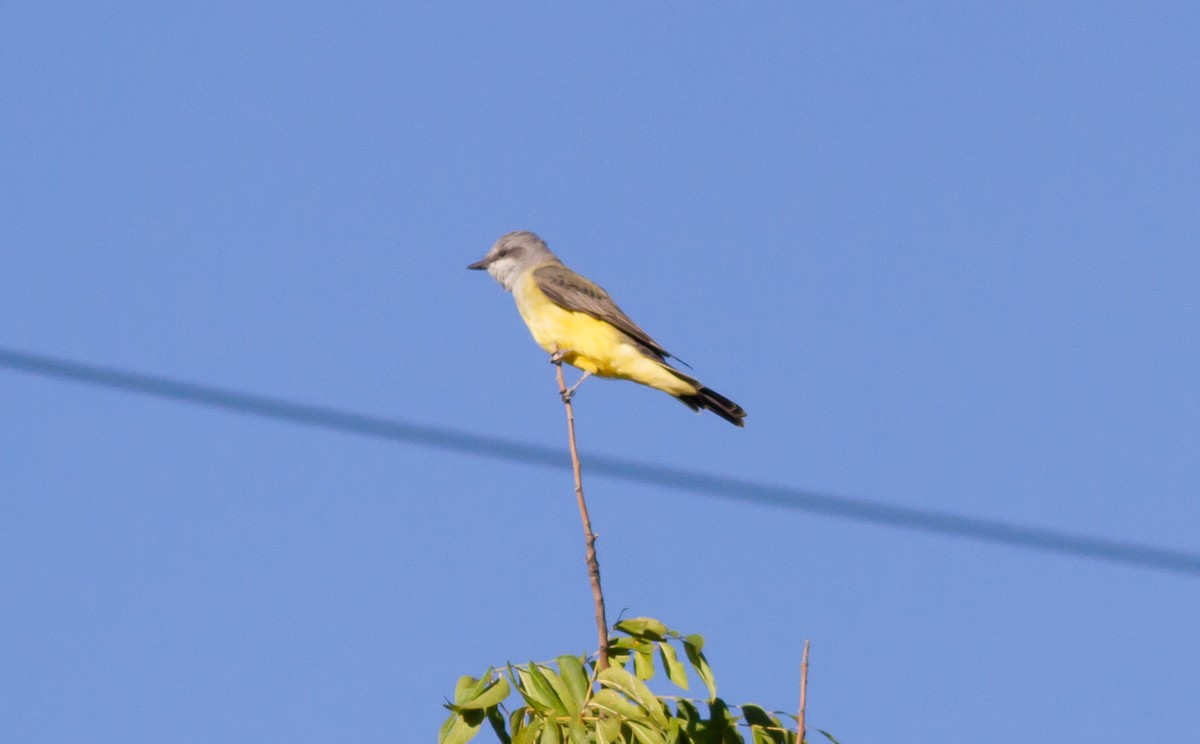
512 255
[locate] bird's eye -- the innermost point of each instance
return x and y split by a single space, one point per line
502 252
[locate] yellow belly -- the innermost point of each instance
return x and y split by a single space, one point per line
591 344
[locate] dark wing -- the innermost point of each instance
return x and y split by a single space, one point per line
571 291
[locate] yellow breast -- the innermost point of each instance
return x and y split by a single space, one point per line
585 342
588 343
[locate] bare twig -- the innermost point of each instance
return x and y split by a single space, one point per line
803 695
588 536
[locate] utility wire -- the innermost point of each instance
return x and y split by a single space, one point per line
735 489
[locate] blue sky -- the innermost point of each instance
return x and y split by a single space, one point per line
945 257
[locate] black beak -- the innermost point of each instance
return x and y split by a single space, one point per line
482 264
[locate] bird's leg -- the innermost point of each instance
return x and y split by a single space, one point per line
570 392
557 357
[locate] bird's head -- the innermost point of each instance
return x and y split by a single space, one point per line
513 254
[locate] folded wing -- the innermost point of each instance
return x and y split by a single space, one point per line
571 291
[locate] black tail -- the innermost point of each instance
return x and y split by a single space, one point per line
715 402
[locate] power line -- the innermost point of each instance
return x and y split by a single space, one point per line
736 489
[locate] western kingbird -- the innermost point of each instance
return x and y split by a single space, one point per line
576 321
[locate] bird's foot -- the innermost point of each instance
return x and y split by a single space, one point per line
569 393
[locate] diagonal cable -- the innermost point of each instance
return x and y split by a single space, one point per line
718 486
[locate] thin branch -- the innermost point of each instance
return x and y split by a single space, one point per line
588 536
803 695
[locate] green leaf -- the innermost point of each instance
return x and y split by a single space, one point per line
457 730
516 720
536 700
496 718
615 704
643 627
551 734
675 670
575 675
695 639
481 698
686 710
699 663
643 662
617 655
636 690
637 644
828 735
675 730
691 720
756 716
645 733
576 733
601 735
468 688
766 728
722 723
462 689
529 734
608 729
571 704
493 694
760 735
545 691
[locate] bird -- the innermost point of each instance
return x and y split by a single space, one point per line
575 321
